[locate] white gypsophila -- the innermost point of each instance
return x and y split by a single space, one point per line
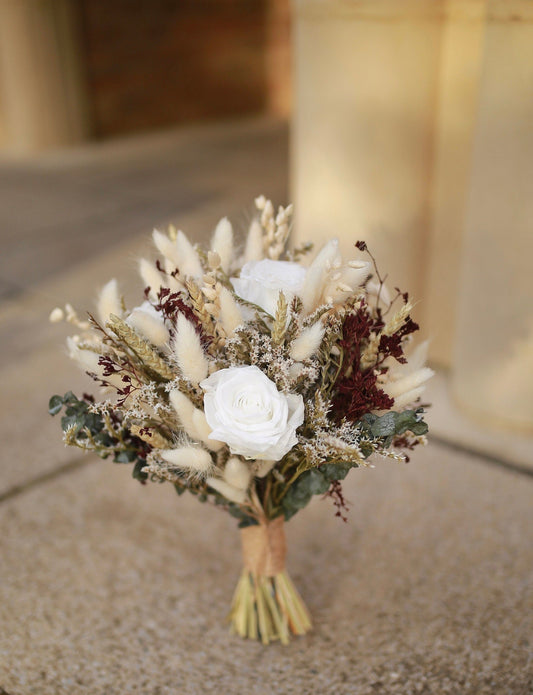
260 282
245 410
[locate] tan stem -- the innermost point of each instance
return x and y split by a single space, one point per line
264 548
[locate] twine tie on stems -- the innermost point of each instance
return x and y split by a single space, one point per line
264 548
266 605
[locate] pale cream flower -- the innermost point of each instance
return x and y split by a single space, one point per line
189 458
222 243
260 282
308 342
189 352
147 321
406 382
109 302
246 411
237 473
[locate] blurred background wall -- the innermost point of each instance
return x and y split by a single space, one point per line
411 127
73 69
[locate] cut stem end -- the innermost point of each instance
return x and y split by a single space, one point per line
268 608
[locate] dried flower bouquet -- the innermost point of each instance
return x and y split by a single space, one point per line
253 377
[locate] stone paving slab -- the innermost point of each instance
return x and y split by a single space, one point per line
61 208
449 423
110 587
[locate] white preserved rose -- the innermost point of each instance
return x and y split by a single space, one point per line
245 410
260 282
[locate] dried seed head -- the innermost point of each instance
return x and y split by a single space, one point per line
189 458
56 315
213 260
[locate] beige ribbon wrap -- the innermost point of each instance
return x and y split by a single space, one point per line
264 548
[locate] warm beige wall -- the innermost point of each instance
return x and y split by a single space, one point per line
386 97
493 357
459 71
41 86
365 100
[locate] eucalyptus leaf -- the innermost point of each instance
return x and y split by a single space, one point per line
138 472
392 423
127 456
55 404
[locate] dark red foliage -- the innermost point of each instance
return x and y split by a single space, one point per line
391 345
405 295
337 496
403 441
357 392
356 329
110 368
142 448
170 304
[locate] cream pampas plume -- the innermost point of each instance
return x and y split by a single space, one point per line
378 290
149 325
109 302
151 277
237 473
222 243
262 468
193 420
253 250
155 280
189 458
166 247
189 261
184 410
408 389
203 430
317 273
230 312
306 345
349 279
417 358
406 382
88 360
189 352
180 253
230 492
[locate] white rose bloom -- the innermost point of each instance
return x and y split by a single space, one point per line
260 282
246 411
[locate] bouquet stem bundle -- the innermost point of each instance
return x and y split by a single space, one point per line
266 605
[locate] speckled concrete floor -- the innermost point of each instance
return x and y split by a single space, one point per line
109 587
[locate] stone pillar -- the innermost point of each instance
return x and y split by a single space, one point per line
459 72
365 92
42 96
492 373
